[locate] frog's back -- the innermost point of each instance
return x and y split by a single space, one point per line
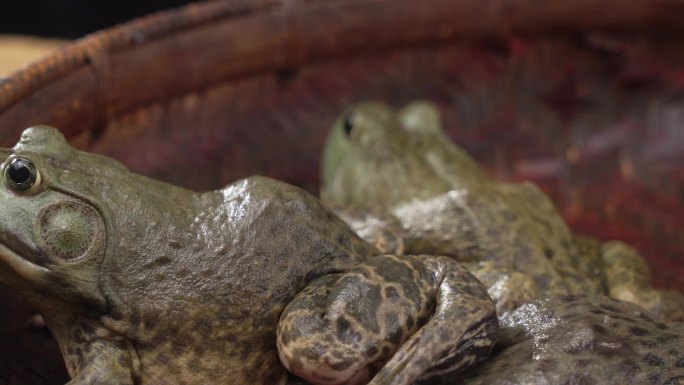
290 232
535 227
251 246
216 287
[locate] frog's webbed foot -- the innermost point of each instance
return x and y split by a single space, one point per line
104 363
628 279
406 317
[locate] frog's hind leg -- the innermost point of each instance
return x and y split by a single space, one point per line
460 333
420 313
628 278
312 343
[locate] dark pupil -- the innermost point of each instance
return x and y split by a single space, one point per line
348 124
19 172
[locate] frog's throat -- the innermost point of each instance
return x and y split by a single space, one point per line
12 260
22 267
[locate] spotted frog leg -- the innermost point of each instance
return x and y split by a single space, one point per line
390 320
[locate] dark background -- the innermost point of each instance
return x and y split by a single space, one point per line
73 18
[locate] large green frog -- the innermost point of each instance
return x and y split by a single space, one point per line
142 282
401 183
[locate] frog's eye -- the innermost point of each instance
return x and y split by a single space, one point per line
348 124
20 174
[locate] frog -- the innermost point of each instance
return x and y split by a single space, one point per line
398 180
143 282
580 340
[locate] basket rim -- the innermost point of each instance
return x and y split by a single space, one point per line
79 53
436 20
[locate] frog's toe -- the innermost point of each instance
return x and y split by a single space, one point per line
411 364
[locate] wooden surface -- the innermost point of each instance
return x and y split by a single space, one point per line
19 51
583 97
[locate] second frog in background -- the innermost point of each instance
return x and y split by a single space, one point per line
404 186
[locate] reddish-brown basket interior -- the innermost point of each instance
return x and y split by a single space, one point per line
589 107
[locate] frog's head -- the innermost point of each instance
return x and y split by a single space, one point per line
376 157
355 136
52 225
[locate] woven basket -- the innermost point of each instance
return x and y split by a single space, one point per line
586 98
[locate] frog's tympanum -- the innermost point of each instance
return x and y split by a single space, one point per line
403 185
145 283
581 340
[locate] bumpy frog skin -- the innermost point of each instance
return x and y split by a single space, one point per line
581 340
401 183
145 283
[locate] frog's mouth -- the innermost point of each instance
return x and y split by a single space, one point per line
22 267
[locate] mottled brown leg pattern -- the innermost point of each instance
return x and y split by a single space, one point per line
425 314
461 331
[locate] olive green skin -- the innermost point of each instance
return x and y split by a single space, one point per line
187 286
142 282
404 186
